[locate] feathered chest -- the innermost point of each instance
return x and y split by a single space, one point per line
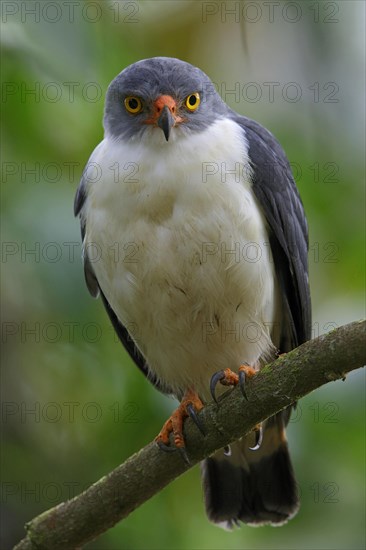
182 245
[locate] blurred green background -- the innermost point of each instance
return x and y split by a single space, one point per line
74 406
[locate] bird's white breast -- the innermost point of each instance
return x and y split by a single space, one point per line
181 251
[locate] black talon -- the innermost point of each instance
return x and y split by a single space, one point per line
220 375
183 453
258 439
227 450
242 379
193 414
166 448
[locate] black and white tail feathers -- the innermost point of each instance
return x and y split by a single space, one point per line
255 487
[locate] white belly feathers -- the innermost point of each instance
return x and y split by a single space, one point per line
181 251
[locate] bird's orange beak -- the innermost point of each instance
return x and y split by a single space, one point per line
165 114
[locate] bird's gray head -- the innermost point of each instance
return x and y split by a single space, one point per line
160 94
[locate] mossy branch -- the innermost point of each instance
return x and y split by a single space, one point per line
72 524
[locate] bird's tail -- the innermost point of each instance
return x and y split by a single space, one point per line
256 487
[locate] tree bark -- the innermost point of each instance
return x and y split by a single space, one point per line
73 523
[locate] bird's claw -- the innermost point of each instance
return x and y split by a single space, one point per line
242 377
169 449
189 406
227 450
196 419
216 378
258 438
164 447
229 378
183 454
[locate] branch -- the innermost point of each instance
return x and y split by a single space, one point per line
73 523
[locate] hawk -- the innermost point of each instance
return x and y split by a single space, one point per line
195 237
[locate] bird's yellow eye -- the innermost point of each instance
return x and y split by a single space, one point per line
133 104
193 101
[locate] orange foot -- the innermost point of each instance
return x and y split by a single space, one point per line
189 406
229 378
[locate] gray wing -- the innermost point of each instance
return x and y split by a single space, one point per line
277 194
262 489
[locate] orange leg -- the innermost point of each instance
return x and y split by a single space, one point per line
189 405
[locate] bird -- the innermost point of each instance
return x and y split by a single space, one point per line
195 238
